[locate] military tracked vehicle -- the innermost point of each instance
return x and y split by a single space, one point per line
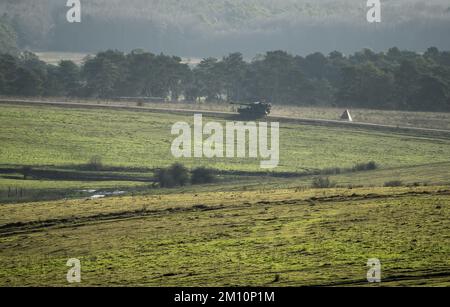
255 110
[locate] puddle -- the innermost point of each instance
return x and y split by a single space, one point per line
88 191
103 195
97 196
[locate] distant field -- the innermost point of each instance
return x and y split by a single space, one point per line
261 238
54 57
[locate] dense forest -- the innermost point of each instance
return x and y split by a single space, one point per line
201 28
393 80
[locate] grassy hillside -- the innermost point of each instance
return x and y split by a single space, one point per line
58 142
246 229
66 136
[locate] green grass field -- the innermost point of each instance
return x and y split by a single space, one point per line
58 136
54 138
244 230
272 238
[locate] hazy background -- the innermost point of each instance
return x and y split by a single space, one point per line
200 28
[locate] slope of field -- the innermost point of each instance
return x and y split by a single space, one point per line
270 238
66 136
58 141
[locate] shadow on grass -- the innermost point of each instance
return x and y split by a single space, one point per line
76 173
83 173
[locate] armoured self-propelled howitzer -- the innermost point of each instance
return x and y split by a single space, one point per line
255 110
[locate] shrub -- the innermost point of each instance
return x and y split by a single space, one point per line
164 179
393 184
179 173
95 163
370 166
202 175
322 183
175 175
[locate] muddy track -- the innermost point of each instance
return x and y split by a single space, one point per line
421 276
37 226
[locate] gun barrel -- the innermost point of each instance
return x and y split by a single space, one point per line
240 104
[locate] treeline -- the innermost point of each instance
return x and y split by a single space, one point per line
392 80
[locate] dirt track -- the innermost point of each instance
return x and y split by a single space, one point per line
284 119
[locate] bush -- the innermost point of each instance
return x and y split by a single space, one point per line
322 183
393 184
175 175
95 163
202 175
370 166
179 173
164 179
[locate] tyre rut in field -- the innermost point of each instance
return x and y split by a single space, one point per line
36 226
